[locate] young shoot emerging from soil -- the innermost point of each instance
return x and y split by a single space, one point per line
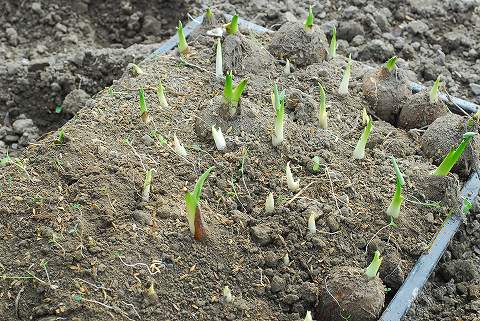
391 63
209 17
218 138
192 200
60 137
293 186
227 294
309 22
279 103
343 88
322 110
312 227
393 210
136 70
183 48
179 149
232 27
143 106
359 152
364 117
434 91
269 204
332 50
308 316
219 61
147 183
287 69
161 96
231 96
316 165
372 270
453 156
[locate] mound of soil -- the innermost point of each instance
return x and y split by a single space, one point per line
92 249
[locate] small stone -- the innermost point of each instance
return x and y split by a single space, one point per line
278 284
148 140
151 25
21 125
11 139
37 8
38 64
142 217
75 101
61 27
417 27
475 89
271 259
349 29
429 217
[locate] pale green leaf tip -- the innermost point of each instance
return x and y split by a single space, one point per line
390 64
372 270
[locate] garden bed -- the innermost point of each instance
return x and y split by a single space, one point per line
83 230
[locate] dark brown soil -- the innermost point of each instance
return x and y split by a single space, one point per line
91 248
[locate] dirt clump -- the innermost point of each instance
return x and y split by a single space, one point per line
418 111
75 101
244 55
301 47
445 133
355 296
386 91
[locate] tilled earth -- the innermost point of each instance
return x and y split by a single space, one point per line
52 48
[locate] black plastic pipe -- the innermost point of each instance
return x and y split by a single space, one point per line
413 284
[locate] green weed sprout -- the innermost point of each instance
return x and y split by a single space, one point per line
192 200
218 138
60 137
269 204
434 91
391 63
178 148
372 270
359 152
231 96
232 27
308 316
343 88
332 50
143 106
279 103
309 22
394 209
147 183
209 17
182 41
293 185
316 164
322 110
453 156
219 61
161 95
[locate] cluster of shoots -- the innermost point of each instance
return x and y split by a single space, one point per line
393 210
293 185
147 184
309 22
219 61
269 204
218 138
161 95
192 200
183 48
391 63
434 91
312 227
143 106
178 147
372 270
232 27
231 96
332 50
343 88
359 152
453 156
322 110
279 105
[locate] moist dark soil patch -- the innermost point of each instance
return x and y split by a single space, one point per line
91 248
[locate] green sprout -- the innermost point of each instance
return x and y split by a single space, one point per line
453 156
147 183
466 206
161 95
182 42
390 64
473 119
58 109
316 165
332 50
434 91
110 91
359 152
143 106
309 21
231 96
60 137
192 200
232 27
372 270
322 110
279 103
394 209
209 17
343 88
